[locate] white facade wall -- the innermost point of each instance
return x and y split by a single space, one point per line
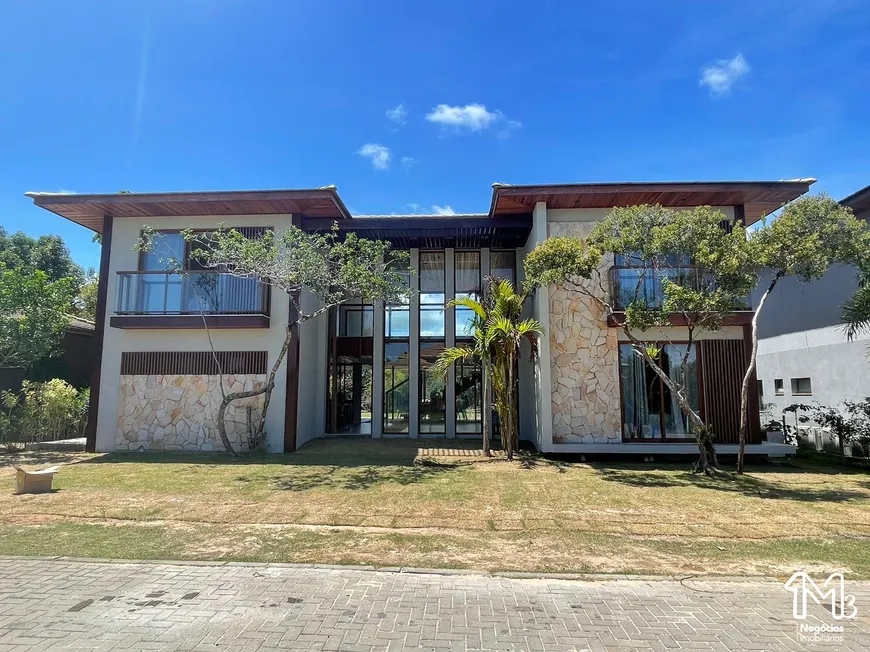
123 258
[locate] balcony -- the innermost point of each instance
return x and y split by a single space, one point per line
629 284
190 300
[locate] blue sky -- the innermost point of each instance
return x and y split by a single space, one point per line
230 94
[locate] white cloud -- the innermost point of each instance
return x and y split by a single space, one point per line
378 154
722 75
443 210
397 115
474 117
408 162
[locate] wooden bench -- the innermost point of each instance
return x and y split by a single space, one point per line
34 482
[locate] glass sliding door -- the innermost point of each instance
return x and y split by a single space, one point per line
349 390
397 368
397 390
641 396
433 391
650 411
469 397
677 424
468 379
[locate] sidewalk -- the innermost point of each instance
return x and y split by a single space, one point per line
76 605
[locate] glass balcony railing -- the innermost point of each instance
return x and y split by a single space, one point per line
189 293
629 284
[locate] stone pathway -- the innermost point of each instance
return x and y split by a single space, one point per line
76 605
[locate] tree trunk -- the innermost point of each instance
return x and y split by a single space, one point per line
707 463
255 436
487 409
747 377
510 426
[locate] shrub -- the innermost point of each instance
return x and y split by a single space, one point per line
43 412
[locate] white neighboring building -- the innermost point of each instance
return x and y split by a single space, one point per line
803 353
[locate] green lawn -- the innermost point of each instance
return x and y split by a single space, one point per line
378 502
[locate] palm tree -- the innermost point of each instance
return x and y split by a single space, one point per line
856 311
499 331
478 350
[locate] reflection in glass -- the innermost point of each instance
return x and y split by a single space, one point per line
432 294
677 424
650 410
433 390
469 397
355 320
641 398
397 322
467 285
504 265
396 387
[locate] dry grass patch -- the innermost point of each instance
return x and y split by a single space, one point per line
378 501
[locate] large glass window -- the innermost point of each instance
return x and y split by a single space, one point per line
355 320
635 279
649 409
433 390
469 397
467 285
397 322
397 407
504 265
431 294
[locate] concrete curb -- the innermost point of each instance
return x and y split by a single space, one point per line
409 570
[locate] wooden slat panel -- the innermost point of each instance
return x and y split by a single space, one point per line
199 363
723 363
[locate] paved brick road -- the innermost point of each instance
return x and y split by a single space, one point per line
75 605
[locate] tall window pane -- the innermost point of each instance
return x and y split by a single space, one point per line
467 285
432 294
650 410
433 390
469 397
355 320
397 322
504 265
641 396
396 387
677 424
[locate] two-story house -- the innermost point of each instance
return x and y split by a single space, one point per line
367 369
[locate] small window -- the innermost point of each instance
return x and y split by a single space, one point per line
777 387
801 386
760 389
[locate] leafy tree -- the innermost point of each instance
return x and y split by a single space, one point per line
48 253
809 236
499 332
86 301
686 265
33 315
333 269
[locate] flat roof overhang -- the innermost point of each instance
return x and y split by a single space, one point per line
859 202
758 198
89 210
470 231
